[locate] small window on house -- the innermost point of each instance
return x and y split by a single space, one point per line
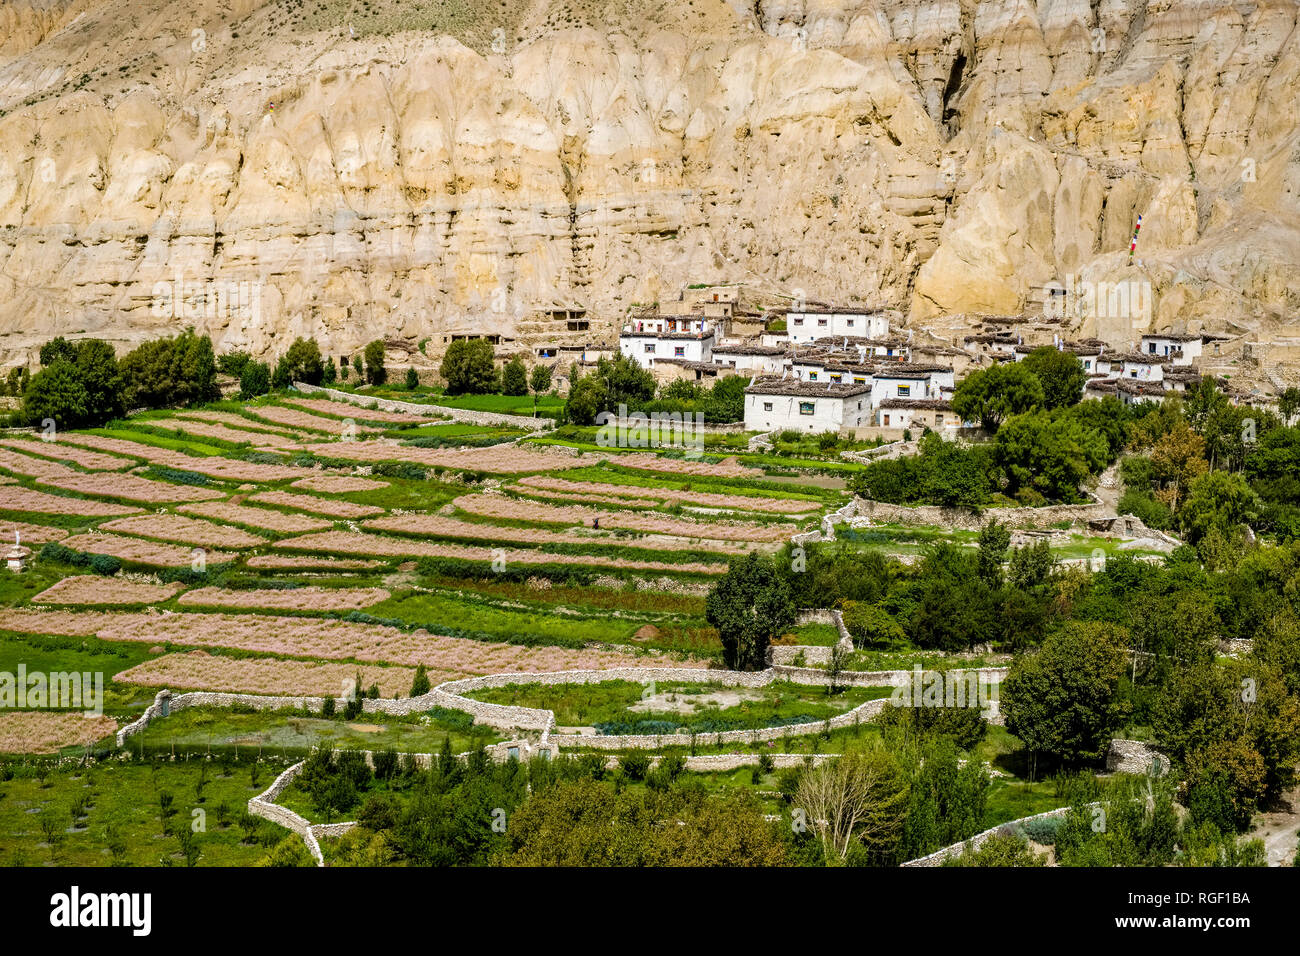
904 391
821 323
836 377
812 376
798 321
805 408
938 418
679 350
849 323
650 347
767 406
886 421
1152 349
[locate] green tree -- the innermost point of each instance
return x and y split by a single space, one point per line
750 605
376 374
468 369
255 380
994 540
301 363
540 379
55 349
412 379
1218 499
1288 404
57 393
80 385
726 400
233 363
172 371
1048 455
1060 373
990 396
1063 700
626 383
514 377
586 400
420 685
872 626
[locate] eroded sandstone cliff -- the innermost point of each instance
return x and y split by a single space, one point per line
414 168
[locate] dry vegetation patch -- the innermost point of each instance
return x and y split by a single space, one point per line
267 518
296 418
223 433
46 732
499 506
94 589
139 551
308 562
348 410
498 459
194 531
338 484
26 499
198 670
699 498
29 533
94 460
443 527
62 623
352 542
288 599
215 466
322 506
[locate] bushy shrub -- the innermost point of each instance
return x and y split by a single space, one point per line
1041 830
635 765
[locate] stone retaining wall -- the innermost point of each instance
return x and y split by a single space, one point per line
411 408
876 512
1133 756
974 843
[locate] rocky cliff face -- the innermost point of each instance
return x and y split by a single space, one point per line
415 168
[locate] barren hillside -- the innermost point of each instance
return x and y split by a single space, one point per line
408 168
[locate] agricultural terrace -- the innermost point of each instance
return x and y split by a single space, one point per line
296 545
338 565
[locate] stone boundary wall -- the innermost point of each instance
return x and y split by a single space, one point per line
865 710
812 653
510 718
411 408
214 699
974 843
966 520
1134 756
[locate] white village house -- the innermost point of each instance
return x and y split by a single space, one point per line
811 324
645 346
775 404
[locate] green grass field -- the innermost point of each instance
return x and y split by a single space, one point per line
112 813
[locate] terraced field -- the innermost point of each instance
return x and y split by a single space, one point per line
294 545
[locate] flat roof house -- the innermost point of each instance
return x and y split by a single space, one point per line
646 347
1178 349
774 404
751 359
930 413
1142 367
810 324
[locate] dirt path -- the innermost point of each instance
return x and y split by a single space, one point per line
1110 488
1280 829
